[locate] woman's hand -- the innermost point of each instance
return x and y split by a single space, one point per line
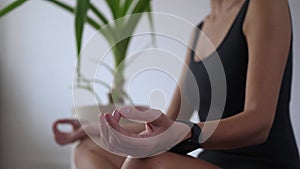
160 134
63 138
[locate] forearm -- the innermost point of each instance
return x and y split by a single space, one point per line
174 107
179 108
241 130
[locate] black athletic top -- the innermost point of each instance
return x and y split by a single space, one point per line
280 150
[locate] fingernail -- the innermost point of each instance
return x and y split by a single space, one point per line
114 112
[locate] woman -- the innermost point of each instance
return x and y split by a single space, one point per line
253 39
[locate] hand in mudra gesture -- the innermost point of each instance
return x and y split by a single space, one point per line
161 133
63 138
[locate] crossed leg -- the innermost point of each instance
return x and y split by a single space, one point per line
167 161
88 155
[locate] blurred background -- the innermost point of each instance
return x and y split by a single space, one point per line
37 60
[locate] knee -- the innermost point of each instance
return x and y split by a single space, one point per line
84 150
81 150
84 146
146 163
137 163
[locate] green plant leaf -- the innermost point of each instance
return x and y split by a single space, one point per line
114 6
70 9
130 26
102 83
11 7
98 13
105 65
135 56
126 6
89 20
90 89
140 6
111 70
62 5
80 19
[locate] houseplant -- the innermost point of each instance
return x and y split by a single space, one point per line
80 12
112 33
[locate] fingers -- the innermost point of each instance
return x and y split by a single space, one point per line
74 122
140 113
77 135
55 128
155 139
66 120
114 139
63 138
116 115
112 121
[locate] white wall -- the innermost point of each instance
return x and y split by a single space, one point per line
295 107
37 61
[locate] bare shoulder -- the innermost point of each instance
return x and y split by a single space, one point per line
271 15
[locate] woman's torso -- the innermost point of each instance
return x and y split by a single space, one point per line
280 149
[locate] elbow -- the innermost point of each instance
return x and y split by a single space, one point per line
261 124
262 134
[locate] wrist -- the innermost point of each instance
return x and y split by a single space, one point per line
191 141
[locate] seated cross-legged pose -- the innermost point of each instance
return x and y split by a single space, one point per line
253 40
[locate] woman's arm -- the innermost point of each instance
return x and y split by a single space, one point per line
268 31
267 28
179 108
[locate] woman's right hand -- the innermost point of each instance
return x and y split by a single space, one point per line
160 133
63 138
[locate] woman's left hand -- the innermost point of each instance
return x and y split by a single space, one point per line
160 134
63 138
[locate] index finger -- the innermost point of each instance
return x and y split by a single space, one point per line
74 122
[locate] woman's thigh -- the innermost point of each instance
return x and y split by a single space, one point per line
89 155
167 160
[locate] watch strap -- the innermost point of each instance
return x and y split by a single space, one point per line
190 144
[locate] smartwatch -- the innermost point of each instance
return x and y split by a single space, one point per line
190 144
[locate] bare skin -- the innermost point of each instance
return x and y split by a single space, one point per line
267 29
